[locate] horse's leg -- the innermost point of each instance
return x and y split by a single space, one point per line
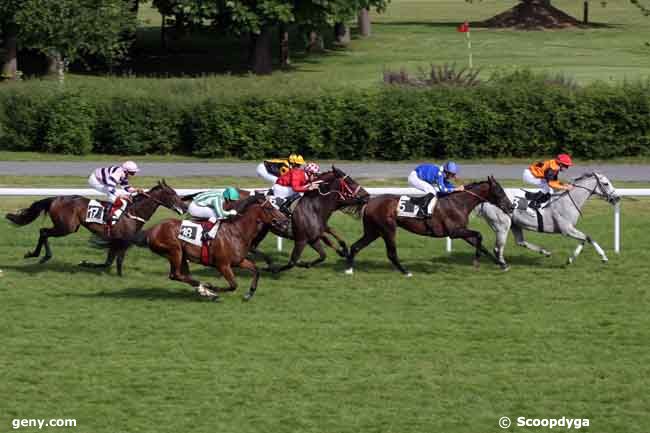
45 234
226 270
475 239
121 253
247 264
255 247
391 249
298 248
343 252
369 235
518 233
39 245
574 233
500 246
500 223
110 258
318 246
179 271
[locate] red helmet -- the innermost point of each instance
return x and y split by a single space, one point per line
564 159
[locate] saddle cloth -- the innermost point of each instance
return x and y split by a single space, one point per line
416 207
97 212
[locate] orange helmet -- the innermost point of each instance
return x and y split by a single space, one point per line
564 159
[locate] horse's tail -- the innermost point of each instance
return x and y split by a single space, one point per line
27 215
141 238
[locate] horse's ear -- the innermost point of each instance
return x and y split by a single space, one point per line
164 182
491 179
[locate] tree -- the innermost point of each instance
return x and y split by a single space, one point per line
532 15
69 29
9 31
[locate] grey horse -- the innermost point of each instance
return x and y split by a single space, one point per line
559 216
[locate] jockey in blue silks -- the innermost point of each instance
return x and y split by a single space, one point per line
434 179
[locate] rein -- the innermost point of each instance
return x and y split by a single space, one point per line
348 191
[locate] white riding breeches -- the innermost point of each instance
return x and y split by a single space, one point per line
264 174
282 191
420 184
204 212
111 193
540 183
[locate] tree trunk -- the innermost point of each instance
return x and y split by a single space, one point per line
10 62
316 44
262 60
364 22
163 32
342 33
585 12
284 47
52 65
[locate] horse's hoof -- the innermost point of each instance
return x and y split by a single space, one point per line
349 271
29 255
248 296
215 299
44 259
605 261
546 253
505 267
408 275
570 261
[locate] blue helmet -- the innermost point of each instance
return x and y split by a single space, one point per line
450 167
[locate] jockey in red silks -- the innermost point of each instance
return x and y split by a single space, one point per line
295 182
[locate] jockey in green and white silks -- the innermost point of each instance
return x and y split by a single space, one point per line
209 205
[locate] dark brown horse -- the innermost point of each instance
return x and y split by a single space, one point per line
68 213
229 249
450 218
309 219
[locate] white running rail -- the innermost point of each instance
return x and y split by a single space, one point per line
624 192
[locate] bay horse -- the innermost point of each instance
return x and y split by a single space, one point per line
229 249
560 216
336 190
309 220
450 218
68 213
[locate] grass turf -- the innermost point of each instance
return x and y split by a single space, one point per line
449 350
411 34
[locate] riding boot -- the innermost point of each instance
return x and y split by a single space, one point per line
286 206
213 231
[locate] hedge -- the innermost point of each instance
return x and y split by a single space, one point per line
524 116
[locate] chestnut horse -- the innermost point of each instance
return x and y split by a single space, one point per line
68 213
450 218
229 249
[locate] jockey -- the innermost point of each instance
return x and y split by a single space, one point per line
434 179
209 205
293 183
544 175
114 182
272 169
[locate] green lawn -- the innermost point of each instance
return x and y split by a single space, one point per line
411 34
450 350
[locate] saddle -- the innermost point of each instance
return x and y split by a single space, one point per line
536 199
416 207
193 231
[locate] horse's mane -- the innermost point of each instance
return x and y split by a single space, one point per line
584 175
241 205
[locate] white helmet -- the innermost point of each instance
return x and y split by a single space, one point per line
130 166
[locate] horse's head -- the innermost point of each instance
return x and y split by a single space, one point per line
598 184
347 189
271 215
166 196
497 196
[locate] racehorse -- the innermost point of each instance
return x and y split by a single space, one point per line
69 212
336 190
308 226
559 216
229 249
449 218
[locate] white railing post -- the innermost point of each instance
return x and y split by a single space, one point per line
448 244
279 244
617 228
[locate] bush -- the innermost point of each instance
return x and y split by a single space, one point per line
69 124
520 115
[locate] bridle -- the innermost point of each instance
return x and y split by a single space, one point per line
346 192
